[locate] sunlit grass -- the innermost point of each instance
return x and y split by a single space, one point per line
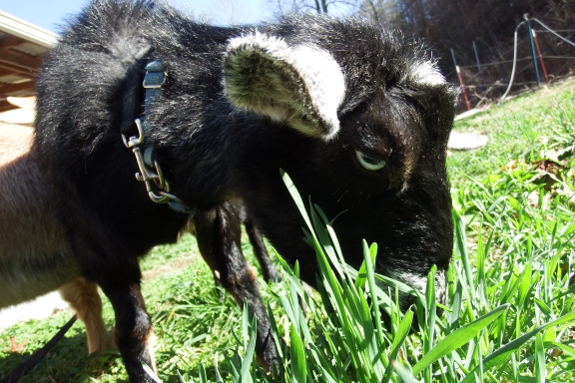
509 316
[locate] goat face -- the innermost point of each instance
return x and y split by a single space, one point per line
364 120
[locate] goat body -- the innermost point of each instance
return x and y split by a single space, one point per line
357 116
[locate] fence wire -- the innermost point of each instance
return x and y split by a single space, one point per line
486 82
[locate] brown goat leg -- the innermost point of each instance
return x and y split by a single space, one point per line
269 271
83 297
219 240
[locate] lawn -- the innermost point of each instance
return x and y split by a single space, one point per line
510 316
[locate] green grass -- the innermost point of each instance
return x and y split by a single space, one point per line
510 314
517 131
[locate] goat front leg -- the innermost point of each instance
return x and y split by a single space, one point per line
133 335
219 238
269 271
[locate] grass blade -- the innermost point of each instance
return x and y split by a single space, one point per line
540 371
504 353
458 338
400 335
404 374
298 360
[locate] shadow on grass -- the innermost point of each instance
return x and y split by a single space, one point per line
68 361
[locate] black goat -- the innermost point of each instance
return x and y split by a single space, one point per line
269 272
35 256
357 116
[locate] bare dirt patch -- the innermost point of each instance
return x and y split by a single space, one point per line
175 265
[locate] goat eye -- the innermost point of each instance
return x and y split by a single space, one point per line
369 163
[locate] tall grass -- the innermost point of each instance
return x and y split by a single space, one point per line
507 321
510 315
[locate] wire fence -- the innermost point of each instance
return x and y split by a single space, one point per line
538 56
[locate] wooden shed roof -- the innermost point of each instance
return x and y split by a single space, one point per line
22 47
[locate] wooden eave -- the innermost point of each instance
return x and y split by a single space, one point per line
22 47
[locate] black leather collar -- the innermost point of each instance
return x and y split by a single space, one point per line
136 100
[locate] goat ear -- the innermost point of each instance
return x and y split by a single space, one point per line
302 86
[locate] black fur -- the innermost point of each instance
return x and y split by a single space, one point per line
212 153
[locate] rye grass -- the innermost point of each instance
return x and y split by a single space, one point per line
509 316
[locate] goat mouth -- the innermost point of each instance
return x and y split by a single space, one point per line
411 284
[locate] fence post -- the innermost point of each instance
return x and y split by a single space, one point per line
533 52
477 58
460 80
540 56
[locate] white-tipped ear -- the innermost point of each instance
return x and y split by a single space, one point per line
427 73
302 86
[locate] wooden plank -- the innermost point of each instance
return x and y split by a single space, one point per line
7 72
12 88
23 71
23 55
10 42
7 69
5 105
28 62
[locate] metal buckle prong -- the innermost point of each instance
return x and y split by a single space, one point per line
144 175
161 181
133 140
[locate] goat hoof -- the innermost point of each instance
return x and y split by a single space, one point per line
274 278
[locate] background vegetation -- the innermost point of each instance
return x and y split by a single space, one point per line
447 24
510 313
479 35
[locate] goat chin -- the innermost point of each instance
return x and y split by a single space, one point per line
35 257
